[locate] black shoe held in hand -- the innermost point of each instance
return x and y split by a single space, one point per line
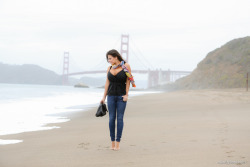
101 111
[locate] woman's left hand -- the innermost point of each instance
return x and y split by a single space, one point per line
125 98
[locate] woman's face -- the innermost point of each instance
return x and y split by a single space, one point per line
112 60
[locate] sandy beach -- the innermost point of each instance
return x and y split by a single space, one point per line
202 128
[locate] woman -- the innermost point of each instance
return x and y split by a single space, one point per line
117 88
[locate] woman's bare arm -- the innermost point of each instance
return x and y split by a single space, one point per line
106 87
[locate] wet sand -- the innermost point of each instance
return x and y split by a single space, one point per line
203 128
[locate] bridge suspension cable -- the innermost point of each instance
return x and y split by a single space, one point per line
141 62
102 63
149 65
75 65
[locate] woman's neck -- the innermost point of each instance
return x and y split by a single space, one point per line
117 63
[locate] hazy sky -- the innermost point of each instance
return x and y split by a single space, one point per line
170 34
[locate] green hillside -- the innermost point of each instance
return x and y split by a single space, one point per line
225 67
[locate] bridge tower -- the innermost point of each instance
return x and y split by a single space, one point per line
153 78
65 78
124 46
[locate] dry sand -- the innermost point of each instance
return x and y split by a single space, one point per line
205 128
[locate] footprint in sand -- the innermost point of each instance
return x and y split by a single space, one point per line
225 147
83 145
223 140
100 147
228 152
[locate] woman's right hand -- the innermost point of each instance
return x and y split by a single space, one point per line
102 101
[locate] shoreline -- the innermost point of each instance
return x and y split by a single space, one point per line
182 128
65 115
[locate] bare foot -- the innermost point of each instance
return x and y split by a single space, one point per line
117 146
112 146
116 149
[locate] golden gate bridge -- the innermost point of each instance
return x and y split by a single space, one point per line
155 77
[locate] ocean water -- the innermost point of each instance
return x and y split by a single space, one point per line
26 108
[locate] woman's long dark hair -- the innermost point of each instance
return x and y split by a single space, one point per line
114 53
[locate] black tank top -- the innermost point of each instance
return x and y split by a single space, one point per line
117 83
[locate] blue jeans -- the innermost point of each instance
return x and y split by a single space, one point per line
116 106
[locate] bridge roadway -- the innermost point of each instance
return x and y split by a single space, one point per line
134 71
156 77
